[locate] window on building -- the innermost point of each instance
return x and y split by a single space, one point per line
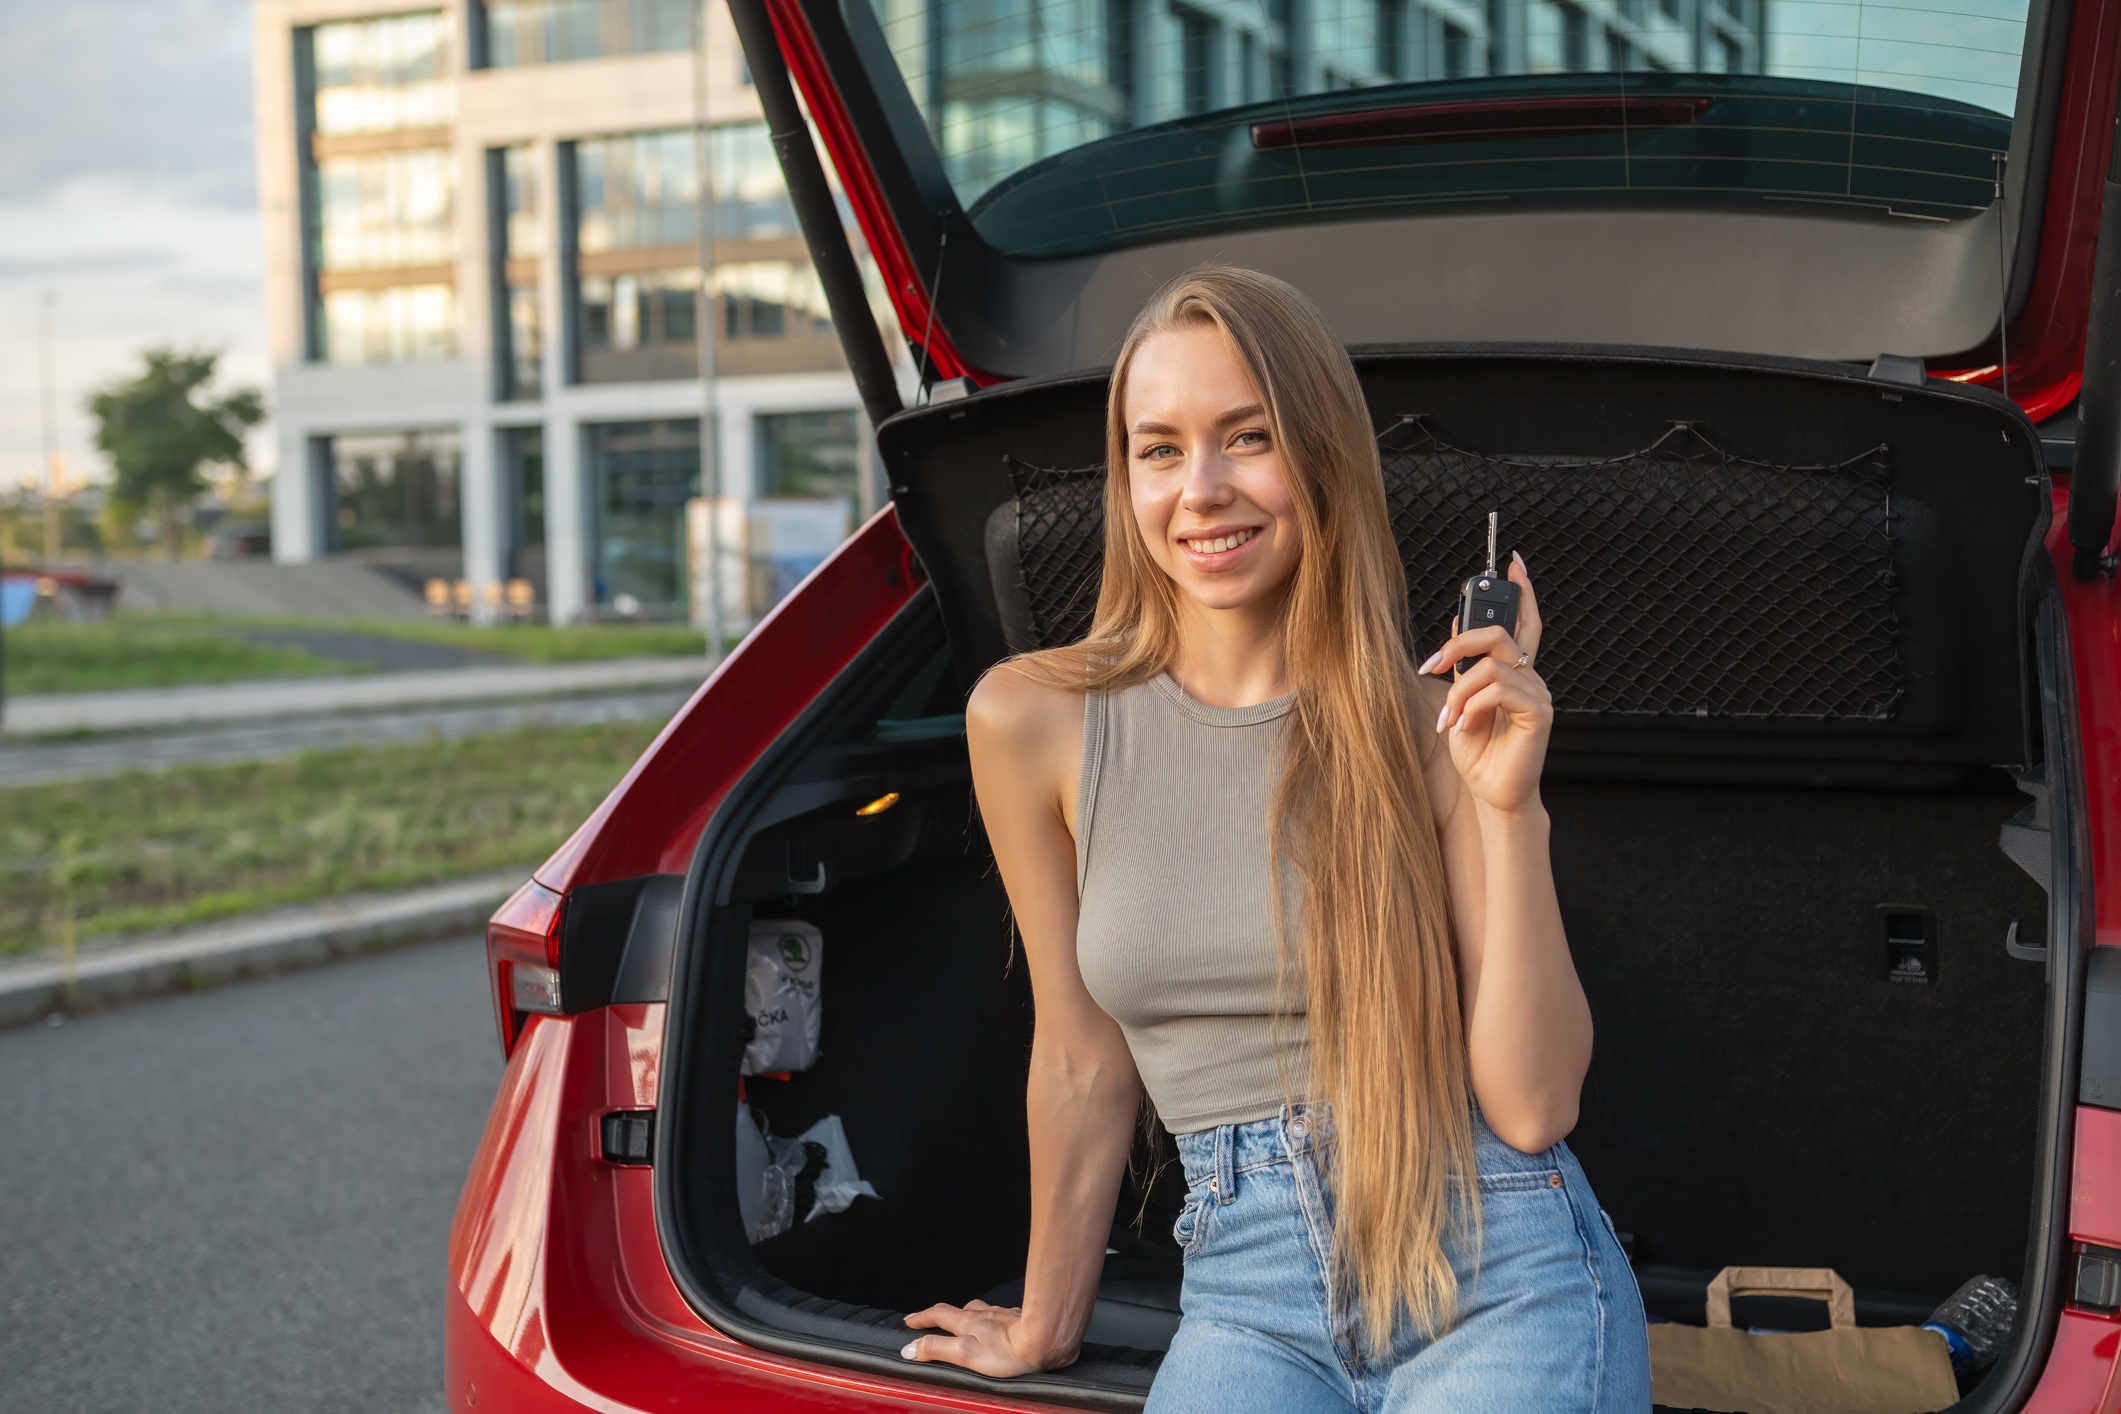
637 267
523 473
378 210
810 455
1671 9
377 179
641 474
1457 51
1575 38
637 212
750 199
772 299
512 187
381 75
389 324
396 490
520 32
1196 78
1391 38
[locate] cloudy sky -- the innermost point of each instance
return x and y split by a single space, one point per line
127 190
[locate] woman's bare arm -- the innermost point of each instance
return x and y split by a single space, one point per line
1528 1026
1026 744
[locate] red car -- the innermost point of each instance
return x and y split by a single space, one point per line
1836 777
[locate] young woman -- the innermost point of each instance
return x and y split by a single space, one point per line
1298 889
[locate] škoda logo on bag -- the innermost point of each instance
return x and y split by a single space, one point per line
795 951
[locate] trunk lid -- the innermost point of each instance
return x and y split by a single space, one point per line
1743 175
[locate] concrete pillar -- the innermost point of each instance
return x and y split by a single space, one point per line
567 545
300 499
485 519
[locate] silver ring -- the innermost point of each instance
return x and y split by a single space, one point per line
1522 659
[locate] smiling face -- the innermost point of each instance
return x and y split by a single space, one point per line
1204 473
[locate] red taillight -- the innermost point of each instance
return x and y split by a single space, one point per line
523 959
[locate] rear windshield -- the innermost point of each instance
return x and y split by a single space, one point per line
1069 126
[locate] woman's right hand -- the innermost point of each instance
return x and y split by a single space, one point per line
988 1340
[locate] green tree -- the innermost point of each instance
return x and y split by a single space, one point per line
159 431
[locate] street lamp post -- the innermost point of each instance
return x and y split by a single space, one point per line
706 307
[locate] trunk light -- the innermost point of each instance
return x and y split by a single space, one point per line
534 988
879 805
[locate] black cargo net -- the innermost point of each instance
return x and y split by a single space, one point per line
1678 580
1060 547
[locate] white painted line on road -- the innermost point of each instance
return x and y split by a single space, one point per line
105 974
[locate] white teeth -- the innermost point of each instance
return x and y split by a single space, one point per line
1222 543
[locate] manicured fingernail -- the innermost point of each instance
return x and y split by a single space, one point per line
1519 559
907 1349
1440 716
1458 726
1435 659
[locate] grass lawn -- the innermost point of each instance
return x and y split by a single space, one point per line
51 655
164 650
540 643
146 851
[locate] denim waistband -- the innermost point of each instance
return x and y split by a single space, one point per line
1227 1150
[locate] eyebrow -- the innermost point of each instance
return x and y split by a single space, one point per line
1237 414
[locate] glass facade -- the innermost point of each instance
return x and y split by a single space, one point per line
378 189
520 32
382 75
641 474
390 324
811 455
771 299
637 213
382 209
396 490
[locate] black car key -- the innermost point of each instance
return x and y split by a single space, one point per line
1490 599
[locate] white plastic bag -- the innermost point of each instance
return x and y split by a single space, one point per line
837 1182
781 993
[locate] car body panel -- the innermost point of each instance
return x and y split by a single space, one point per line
644 827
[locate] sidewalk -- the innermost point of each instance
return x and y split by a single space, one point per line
243 701
117 970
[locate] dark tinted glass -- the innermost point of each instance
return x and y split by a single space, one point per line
1075 125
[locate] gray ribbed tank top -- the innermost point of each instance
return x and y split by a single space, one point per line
1175 939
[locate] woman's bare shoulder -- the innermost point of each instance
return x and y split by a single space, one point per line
1013 708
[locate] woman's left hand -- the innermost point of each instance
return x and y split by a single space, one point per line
1499 712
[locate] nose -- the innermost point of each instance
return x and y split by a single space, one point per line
1208 487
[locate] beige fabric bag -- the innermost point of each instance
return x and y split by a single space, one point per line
1845 1370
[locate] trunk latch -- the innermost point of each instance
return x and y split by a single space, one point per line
1910 942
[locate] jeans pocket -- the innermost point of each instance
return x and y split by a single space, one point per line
1192 1223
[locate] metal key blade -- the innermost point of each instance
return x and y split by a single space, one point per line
1493 516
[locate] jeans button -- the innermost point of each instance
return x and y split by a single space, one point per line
1553 1180
1296 1126
1211 1186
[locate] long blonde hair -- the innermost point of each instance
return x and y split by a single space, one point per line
1351 810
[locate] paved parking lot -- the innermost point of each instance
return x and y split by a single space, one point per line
240 1199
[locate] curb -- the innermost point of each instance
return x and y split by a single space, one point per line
126 970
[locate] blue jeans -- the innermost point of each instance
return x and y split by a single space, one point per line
1550 1320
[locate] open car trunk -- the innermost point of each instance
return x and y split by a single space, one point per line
1808 680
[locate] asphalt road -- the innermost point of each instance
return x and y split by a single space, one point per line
240 1199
